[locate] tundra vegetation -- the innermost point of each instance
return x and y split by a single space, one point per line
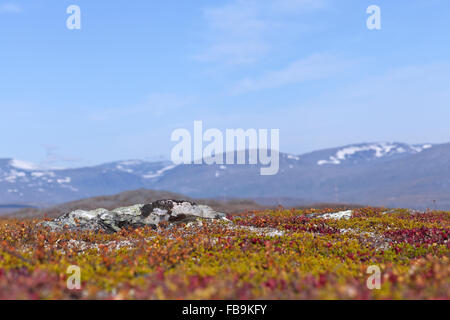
272 254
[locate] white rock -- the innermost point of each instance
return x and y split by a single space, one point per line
338 215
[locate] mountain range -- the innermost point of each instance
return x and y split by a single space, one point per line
382 174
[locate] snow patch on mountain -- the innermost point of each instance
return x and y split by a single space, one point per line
12 176
160 172
121 168
379 150
290 156
131 163
128 166
421 148
65 180
40 174
23 165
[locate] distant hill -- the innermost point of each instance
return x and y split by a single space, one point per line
379 174
5 208
129 198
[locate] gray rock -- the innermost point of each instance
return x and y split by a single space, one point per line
171 211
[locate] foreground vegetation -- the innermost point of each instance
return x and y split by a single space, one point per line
281 254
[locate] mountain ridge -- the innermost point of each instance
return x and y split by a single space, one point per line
379 173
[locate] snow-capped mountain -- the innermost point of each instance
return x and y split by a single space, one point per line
359 153
391 174
22 182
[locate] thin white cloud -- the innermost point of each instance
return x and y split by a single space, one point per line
10 8
297 6
155 105
314 67
237 32
55 160
243 30
407 104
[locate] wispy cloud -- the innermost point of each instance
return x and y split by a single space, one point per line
10 8
156 104
405 103
314 67
55 160
242 31
297 6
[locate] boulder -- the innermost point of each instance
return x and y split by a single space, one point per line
139 215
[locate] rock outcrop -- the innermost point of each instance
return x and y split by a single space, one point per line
170 211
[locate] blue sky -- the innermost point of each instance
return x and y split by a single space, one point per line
137 70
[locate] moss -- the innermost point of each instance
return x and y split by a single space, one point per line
314 258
